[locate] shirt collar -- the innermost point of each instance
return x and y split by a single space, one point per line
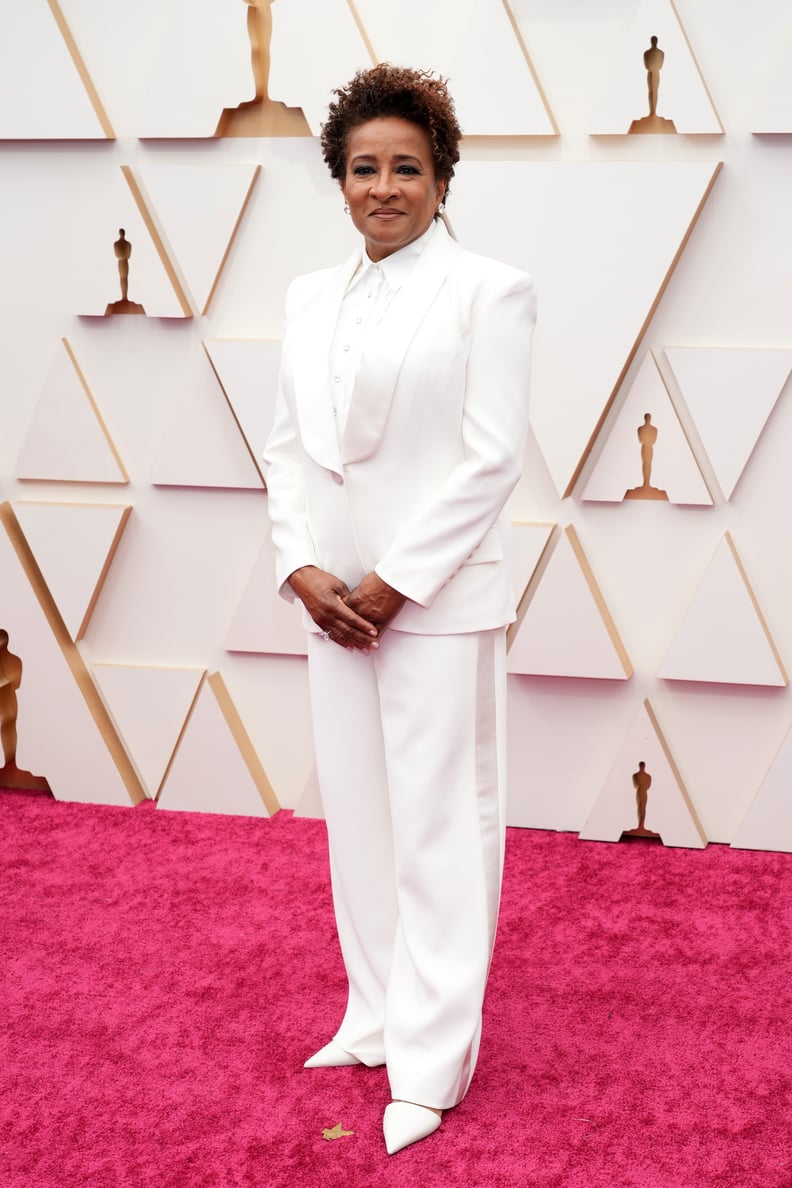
398 265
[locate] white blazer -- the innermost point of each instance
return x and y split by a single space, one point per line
433 443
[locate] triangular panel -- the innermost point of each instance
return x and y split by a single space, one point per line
215 768
644 795
601 240
265 622
478 44
730 392
495 88
767 825
45 90
200 208
203 446
564 627
74 545
248 373
655 44
723 637
529 542
646 454
153 287
64 731
67 440
150 705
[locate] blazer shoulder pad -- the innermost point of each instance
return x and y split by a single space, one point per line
488 271
303 289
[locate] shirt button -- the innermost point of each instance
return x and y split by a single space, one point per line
358 321
346 346
336 379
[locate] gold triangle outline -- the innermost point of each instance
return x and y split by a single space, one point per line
135 667
702 80
673 767
256 461
95 408
694 59
72 656
231 238
82 70
538 569
757 608
126 510
239 735
727 537
157 239
536 81
594 590
691 411
178 740
639 337
244 743
103 427
362 31
674 408
677 774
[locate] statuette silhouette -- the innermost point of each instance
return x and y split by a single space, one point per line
261 116
653 62
10 680
642 782
123 250
647 436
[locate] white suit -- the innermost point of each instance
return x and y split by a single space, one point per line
409 749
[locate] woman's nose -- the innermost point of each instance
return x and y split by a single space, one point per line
384 185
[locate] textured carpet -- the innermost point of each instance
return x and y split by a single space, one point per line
165 975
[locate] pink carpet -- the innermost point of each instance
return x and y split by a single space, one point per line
164 976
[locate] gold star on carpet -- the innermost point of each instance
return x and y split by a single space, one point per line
336 1132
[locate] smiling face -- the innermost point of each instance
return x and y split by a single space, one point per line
390 184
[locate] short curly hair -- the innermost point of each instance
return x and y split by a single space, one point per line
385 90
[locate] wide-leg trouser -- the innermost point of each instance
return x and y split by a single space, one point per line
410 748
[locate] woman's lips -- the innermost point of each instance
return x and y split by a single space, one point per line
385 215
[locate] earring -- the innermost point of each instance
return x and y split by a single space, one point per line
441 208
346 208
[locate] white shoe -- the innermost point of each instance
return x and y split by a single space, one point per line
405 1123
332 1055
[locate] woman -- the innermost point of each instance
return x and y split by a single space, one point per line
398 436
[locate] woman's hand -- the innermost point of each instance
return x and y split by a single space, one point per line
324 597
376 601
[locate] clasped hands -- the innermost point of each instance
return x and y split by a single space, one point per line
354 619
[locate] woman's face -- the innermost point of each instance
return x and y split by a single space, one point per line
390 184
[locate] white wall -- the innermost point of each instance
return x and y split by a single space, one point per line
184 560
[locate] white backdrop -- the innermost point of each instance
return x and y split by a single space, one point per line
599 219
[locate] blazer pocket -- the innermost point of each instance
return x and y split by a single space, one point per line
490 549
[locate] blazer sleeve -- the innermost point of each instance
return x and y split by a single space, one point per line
283 469
438 541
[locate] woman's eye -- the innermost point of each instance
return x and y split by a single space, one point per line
362 170
407 169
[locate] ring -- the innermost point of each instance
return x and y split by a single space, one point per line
325 635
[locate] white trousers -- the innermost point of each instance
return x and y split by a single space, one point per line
410 748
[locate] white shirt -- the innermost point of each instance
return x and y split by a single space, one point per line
369 293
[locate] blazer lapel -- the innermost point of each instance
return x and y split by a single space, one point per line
389 342
310 349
